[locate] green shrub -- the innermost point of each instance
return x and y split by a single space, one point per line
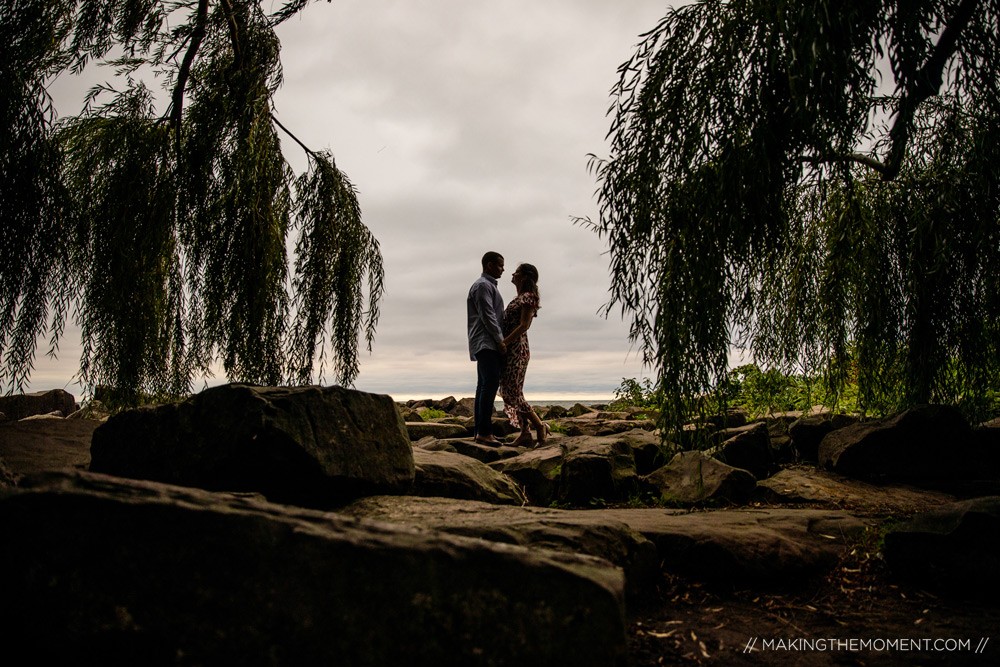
432 413
638 394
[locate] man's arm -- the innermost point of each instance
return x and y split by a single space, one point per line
482 303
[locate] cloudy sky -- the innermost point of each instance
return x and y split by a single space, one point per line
465 125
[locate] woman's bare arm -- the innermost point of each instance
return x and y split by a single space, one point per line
527 314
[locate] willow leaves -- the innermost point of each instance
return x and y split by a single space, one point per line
164 230
815 182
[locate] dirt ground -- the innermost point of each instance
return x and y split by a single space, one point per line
813 623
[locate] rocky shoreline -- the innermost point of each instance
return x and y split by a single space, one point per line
292 525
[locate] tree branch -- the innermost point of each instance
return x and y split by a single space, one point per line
311 153
234 32
924 84
197 35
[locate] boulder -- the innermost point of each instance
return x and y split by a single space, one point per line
485 453
807 432
131 572
420 430
954 548
647 449
92 409
616 426
781 449
19 406
579 409
37 445
808 484
744 546
451 475
465 408
432 444
572 531
733 418
537 471
749 448
553 412
596 469
307 446
409 414
501 426
446 404
927 442
694 477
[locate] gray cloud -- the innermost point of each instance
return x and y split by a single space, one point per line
465 127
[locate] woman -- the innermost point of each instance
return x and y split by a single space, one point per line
517 319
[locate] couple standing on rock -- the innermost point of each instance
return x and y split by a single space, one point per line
498 343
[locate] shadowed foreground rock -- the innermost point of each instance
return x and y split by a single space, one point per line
306 446
128 572
744 546
926 442
954 548
579 532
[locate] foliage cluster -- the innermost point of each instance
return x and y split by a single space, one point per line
638 394
163 230
817 182
432 413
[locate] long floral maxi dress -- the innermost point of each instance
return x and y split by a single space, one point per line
516 361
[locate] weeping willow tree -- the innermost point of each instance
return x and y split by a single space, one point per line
816 182
163 230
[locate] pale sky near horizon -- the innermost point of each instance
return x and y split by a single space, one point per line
465 126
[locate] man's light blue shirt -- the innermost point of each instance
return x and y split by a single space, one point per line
485 309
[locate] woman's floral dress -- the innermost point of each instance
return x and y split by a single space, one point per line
516 361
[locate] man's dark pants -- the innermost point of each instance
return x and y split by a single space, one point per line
488 367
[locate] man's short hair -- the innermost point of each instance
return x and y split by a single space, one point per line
491 257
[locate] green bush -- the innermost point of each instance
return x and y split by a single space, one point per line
633 393
432 413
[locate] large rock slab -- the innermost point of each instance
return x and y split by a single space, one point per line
420 430
924 443
743 546
808 484
572 531
485 453
694 477
954 548
131 572
308 446
38 445
19 406
451 475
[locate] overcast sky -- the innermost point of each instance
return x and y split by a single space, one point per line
465 126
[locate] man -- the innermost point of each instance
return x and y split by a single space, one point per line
486 348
